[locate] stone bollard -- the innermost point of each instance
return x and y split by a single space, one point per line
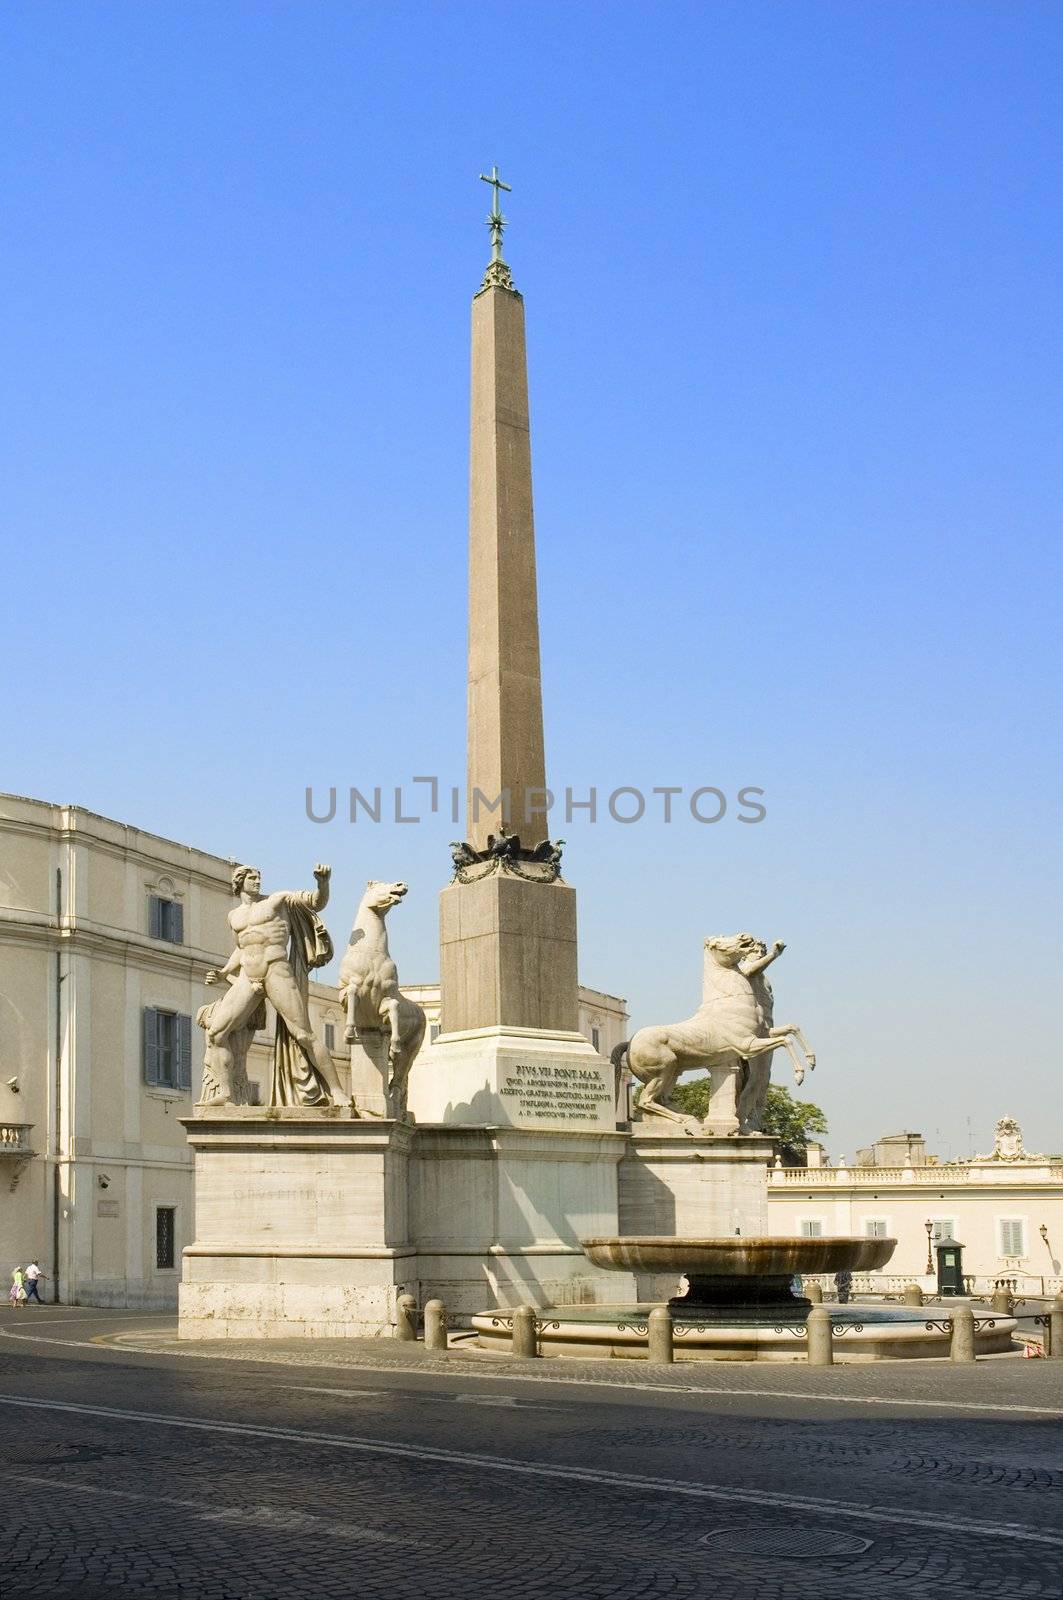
1002 1302
659 1343
961 1344
814 1292
1054 1331
913 1295
435 1325
406 1317
820 1338
525 1332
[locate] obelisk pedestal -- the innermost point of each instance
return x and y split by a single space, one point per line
508 954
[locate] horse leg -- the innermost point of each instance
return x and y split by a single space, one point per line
389 1016
777 1039
389 1010
350 1032
656 1088
792 1029
787 1043
661 1083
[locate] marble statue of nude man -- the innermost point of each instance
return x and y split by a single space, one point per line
279 939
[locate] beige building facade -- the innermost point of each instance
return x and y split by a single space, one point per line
1008 1215
106 932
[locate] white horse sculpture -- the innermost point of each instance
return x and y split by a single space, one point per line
732 1026
369 988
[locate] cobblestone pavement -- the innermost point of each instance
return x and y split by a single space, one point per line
370 1470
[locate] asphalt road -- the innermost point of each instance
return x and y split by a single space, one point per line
128 1474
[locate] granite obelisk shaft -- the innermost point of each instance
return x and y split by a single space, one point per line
505 710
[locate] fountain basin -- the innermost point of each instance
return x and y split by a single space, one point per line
738 1278
862 1333
736 1257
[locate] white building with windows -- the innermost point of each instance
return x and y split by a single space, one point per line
1006 1210
106 933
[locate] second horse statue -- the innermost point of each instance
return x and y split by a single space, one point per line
379 1016
732 1036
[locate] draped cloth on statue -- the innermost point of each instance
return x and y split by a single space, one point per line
296 1081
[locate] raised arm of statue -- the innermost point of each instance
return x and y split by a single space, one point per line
751 968
318 898
315 899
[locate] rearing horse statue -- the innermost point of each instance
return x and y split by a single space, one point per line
732 1026
369 988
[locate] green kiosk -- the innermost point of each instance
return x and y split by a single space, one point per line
950 1266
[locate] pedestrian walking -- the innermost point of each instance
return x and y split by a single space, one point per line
33 1277
17 1292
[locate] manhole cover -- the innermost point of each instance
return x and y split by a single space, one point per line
776 1544
95 1452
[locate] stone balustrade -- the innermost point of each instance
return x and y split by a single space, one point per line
15 1138
891 1285
959 1172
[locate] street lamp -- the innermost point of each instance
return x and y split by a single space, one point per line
929 1226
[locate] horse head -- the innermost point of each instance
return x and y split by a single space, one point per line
728 949
382 896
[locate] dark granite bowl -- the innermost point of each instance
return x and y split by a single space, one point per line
738 1257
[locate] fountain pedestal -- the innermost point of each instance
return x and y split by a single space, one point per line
721 1297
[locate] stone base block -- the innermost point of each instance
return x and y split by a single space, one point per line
302 1225
498 1215
369 1072
500 1280
515 1078
220 1305
310 1225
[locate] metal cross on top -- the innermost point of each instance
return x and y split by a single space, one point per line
496 221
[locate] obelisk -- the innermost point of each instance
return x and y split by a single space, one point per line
507 921
506 762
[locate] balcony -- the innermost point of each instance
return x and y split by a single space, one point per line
15 1150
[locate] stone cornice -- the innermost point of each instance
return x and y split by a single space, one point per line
76 936
123 852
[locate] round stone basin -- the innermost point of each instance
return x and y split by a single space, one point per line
861 1333
735 1256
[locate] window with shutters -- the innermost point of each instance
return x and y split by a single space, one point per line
166 1034
811 1228
167 1050
596 1038
1012 1236
165 1238
944 1228
433 1033
330 1036
166 919
876 1228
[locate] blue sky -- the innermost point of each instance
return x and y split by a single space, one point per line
791 277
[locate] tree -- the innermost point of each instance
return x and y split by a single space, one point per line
792 1122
